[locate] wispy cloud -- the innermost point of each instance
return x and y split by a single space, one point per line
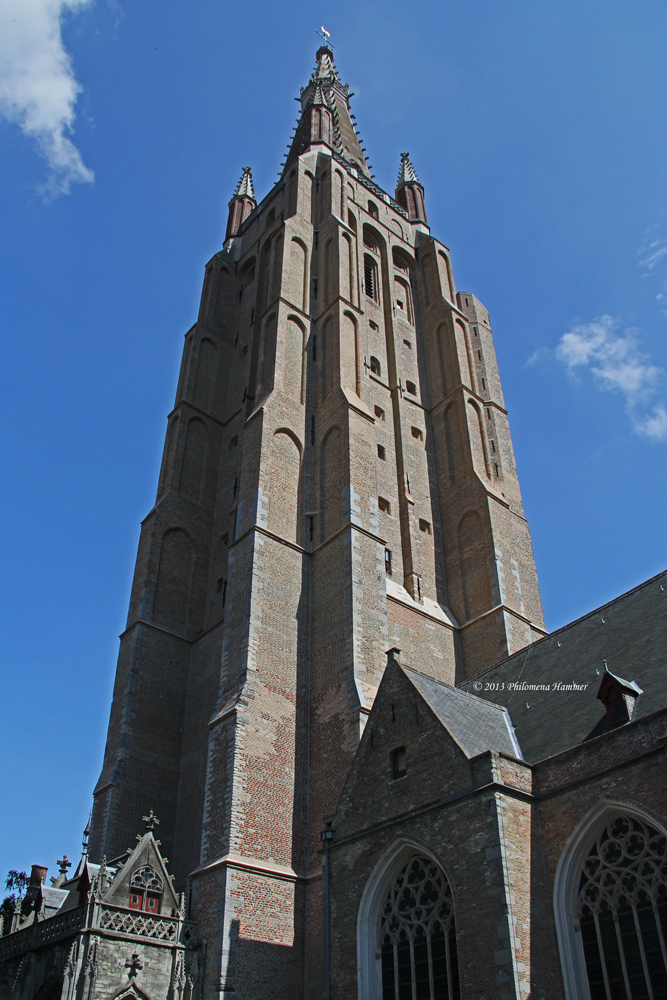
653 261
38 89
618 364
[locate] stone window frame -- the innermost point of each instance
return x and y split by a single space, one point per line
566 887
369 968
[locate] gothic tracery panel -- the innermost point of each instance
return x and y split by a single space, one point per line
418 935
621 908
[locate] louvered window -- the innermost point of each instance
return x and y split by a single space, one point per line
370 277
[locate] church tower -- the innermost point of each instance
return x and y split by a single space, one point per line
338 478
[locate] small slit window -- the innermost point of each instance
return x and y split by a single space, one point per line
411 388
424 526
387 561
384 505
417 433
399 763
382 454
375 366
379 413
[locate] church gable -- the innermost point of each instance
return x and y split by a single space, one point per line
410 754
142 882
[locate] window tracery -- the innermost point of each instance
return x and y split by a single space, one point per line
418 935
145 890
621 907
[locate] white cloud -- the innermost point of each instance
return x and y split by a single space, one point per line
38 89
617 364
654 425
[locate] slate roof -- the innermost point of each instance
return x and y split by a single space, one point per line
476 724
630 633
53 899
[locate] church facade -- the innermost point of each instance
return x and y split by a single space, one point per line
338 481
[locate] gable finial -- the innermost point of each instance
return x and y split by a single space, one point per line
63 865
151 820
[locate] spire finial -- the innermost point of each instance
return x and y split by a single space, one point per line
244 186
325 36
406 171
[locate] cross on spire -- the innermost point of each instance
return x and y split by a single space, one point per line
151 820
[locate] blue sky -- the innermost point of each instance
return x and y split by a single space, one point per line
538 130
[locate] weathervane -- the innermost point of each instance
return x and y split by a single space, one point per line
326 35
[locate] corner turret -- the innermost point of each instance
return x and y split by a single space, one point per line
242 204
409 191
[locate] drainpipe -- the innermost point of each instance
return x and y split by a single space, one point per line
327 836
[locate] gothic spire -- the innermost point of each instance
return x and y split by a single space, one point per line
325 115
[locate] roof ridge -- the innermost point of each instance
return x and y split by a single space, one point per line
559 631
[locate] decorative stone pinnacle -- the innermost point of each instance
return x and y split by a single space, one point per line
406 172
245 187
151 820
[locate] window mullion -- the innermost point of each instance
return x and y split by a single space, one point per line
448 959
396 984
413 968
626 980
642 952
431 984
603 961
656 917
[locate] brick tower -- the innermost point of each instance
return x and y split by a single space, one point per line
338 478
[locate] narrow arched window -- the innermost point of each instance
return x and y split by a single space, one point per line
418 936
375 366
621 909
373 210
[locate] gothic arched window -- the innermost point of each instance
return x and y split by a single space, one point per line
418 936
145 890
621 908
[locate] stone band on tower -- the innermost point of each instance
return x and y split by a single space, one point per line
338 478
